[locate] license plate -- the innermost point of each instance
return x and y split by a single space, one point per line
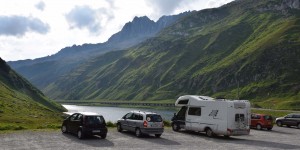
154 125
96 131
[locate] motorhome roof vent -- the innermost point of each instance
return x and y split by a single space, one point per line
202 98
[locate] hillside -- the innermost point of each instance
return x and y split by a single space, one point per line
43 71
247 49
22 105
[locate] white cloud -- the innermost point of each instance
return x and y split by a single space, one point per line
163 7
19 25
76 22
217 3
85 17
41 5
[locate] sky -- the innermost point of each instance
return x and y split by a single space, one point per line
36 28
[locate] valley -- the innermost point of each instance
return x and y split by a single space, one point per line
246 49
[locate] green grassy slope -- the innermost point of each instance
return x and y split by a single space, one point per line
22 105
246 49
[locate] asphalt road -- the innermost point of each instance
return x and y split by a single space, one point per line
278 138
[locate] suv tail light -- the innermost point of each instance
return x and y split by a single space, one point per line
145 124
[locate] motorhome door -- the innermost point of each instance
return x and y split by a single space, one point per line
193 118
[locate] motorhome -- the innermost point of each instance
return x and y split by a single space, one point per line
212 116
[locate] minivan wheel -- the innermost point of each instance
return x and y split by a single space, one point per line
119 128
64 129
138 132
80 134
279 124
175 127
157 135
258 127
269 129
209 132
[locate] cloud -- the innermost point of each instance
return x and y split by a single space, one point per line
163 7
19 25
41 6
84 17
170 7
217 3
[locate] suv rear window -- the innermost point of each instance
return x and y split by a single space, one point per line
153 118
94 119
268 118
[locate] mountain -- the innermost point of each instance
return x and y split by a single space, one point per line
43 71
22 105
247 49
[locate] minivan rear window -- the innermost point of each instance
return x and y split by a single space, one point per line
153 118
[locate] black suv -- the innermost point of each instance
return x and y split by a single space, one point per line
84 124
289 120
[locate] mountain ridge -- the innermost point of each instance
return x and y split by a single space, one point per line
43 71
242 50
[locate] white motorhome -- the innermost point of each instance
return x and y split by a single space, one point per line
213 116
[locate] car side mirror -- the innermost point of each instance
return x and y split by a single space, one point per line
175 116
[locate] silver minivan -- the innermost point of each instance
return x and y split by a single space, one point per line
141 123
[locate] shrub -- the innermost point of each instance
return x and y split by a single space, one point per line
111 124
167 123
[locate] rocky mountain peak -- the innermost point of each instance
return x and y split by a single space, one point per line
282 6
294 4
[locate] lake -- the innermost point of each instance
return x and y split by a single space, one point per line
114 113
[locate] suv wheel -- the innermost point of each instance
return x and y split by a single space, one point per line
64 129
103 136
209 132
298 126
175 127
119 128
279 124
157 135
258 127
80 134
138 132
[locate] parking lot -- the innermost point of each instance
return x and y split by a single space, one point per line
278 138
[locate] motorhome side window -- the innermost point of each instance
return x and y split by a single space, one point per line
239 117
184 101
195 111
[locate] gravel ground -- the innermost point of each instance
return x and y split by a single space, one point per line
278 138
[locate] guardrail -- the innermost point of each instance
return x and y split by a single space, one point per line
120 103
